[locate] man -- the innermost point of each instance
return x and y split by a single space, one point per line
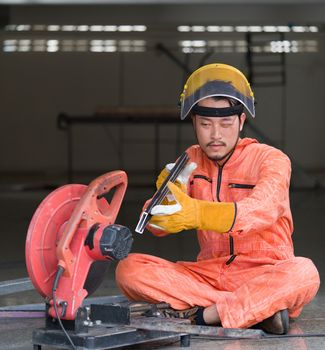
237 197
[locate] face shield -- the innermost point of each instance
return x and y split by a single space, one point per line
220 80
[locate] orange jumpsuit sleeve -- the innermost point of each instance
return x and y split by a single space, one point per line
269 200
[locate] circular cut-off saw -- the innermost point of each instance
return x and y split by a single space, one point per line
72 238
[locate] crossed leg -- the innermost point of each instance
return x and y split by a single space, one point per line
241 299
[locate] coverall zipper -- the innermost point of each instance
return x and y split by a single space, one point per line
220 167
231 239
231 248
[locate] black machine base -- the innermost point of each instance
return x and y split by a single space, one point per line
99 327
100 338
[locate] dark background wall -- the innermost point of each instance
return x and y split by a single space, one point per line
36 86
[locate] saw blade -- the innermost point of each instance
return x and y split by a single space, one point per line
43 234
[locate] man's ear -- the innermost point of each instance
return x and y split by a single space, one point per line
242 119
193 121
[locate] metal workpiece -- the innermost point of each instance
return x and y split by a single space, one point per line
161 192
185 327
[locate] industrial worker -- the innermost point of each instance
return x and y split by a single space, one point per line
235 193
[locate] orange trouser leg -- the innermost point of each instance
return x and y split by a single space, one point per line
288 284
149 278
244 292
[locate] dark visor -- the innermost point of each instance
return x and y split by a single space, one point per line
218 112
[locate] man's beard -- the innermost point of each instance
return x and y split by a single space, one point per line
216 157
225 156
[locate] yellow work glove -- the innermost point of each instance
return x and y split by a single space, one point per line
189 213
182 178
181 182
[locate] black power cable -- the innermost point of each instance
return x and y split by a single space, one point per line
55 284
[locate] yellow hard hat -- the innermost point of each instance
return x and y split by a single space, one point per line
216 79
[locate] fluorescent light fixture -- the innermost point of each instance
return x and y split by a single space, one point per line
311 42
139 28
10 42
53 28
255 29
25 42
199 43
52 49
139 49
241 42
139 42
79 42
39 27
39 48
227 28
24 48
125 28
257 49
184 28
110 28
110 48
68 42
193 43
96 42
52 42
270 29
23 27
10 27
82 28
81 49
227 43
125 42
283 29
241 49
125 49
68 28
213 43
96 28
10 48
68 48
313 29
198 28
97 48
248 28
241 29
52 45
185 43
213 28
282 46
39 42
298 29
109 42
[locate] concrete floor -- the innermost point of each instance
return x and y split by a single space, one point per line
17 208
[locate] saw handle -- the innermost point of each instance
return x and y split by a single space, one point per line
88 212
102 186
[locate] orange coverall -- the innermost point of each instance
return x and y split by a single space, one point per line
250 272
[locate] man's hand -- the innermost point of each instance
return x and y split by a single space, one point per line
189 213
181 181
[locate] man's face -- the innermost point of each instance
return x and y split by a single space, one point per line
217 136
